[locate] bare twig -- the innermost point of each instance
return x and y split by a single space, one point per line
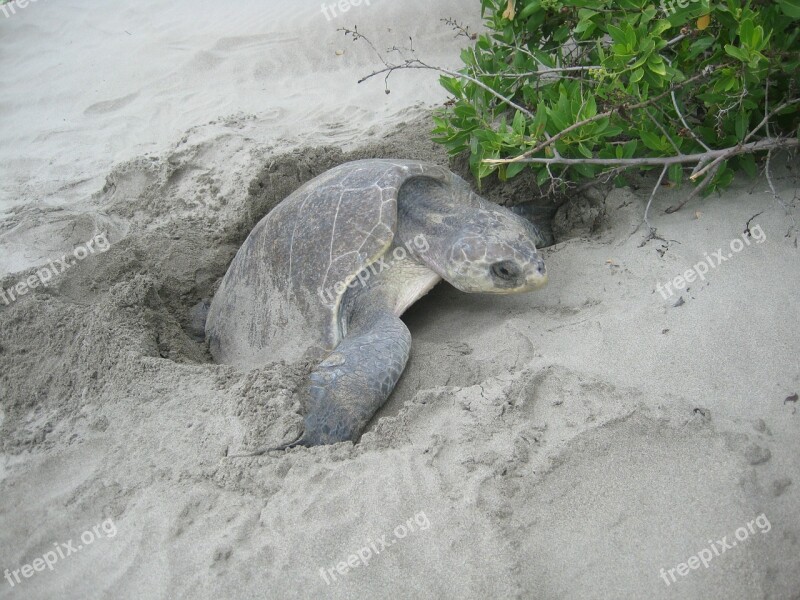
697 190
603 177
676 39
418 64
731 151
768 116
652 229
664 131
775 194
758 146
677 108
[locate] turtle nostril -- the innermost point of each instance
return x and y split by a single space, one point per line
505 270
540 268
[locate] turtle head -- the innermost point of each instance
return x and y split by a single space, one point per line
471 243
494 253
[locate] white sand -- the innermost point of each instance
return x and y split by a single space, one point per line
565 444
86 86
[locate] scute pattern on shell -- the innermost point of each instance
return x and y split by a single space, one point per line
269 305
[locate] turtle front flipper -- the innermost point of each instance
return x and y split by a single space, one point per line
349 386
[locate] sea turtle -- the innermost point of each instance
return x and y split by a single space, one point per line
326 275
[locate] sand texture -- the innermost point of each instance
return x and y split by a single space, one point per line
565 444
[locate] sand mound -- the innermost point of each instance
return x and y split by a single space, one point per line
575 440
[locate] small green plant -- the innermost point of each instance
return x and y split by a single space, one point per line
585 89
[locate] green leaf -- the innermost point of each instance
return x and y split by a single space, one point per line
587 27
451 84
629 149
560 117
465 112
656 65
737 53
660 27
587 171
700 46
639 62
599 127
651 140
649 14
636 75
621 51
647 45
748 164
790 8
562 34
514 169
585 23
630 35
590 109
539 122
485 170
757 38
536 20
531 7
746 29
741 122
616 34
542 177
725 83
675 173
518 125
724 176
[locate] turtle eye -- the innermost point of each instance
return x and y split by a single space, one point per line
505 270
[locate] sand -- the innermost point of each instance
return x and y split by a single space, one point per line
570 443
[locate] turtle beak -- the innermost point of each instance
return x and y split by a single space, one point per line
537 278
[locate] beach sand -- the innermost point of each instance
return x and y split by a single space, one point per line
571 443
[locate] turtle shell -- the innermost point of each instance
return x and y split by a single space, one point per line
281 295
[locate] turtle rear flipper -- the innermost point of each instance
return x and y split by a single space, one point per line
263 451
348 387
198 314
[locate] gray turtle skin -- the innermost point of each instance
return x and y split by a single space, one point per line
327 274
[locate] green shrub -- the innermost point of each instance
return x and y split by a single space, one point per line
633 84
